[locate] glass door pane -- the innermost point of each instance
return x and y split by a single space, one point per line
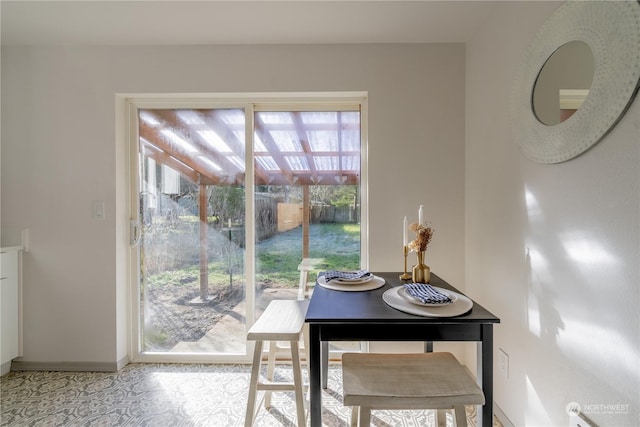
307 198
192 210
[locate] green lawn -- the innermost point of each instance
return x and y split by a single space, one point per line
277 257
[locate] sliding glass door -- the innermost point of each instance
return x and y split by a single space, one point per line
191 284
209 251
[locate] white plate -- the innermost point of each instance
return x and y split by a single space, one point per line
353 281
374 283
460 306
406 295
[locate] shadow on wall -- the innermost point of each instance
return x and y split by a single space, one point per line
571 337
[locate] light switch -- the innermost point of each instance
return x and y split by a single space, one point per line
97 209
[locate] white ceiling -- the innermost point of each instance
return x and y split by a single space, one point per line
163 22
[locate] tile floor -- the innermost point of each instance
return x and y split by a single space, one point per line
169 395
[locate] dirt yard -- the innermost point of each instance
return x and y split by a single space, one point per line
176 318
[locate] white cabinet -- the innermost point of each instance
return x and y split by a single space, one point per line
9 306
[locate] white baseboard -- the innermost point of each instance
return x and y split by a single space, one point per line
5 368
70 366
123 362
500 415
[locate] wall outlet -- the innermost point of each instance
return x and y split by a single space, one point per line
503 359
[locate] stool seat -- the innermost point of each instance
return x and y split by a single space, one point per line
407 381
283 320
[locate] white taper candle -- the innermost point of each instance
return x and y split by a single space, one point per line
404 232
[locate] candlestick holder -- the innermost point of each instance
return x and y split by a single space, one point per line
405 275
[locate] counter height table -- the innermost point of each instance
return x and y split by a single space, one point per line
364 316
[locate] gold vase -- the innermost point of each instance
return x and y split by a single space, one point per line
420 273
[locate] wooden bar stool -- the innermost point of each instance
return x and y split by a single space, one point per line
305 267
407 381
283 320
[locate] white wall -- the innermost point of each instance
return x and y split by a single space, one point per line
552 249
59 153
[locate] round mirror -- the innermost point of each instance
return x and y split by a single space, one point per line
563 83
608 34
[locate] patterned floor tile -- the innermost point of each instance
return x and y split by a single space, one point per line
169 395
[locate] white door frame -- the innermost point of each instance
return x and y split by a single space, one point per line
129 104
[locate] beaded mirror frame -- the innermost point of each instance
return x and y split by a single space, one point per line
612 30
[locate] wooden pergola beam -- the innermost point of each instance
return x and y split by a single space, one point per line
274 152
208 123
152 136
204 243
306 217
163 158
211 119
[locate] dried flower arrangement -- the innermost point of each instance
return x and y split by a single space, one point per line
423 237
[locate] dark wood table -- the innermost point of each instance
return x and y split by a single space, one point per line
364 316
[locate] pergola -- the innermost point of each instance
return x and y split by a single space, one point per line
207 147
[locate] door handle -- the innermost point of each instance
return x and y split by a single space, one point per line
134 232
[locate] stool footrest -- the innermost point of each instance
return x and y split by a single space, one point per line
276 386
279 386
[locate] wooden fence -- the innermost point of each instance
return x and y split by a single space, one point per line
333 214
274 217
289 216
